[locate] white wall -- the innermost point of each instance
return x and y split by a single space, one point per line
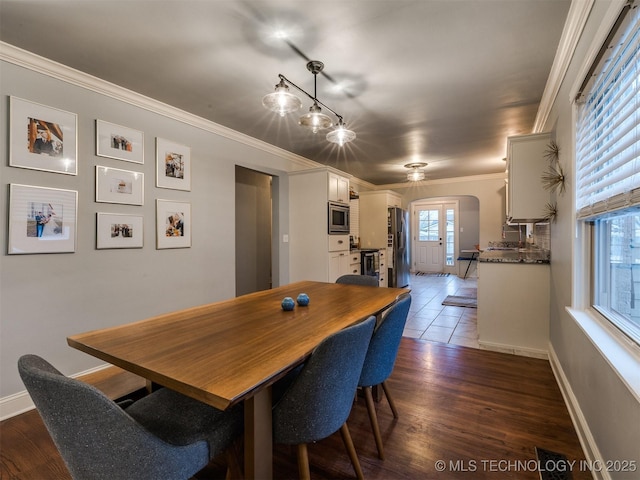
488 189
607 410
45 298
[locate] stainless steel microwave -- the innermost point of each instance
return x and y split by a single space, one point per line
338 218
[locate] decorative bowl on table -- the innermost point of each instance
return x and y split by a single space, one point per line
288 304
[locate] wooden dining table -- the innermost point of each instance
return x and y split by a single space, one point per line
232 351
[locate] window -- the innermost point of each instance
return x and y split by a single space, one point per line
450 236
429 225
617 271
608 174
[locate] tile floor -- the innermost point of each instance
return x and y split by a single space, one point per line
430 320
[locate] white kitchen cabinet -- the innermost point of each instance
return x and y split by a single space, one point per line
310 245
338 243
526 162
513 308
338 265
338 188
374 222
354 263
383 272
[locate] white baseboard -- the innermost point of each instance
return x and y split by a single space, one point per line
514 350
591 451
15 405
21 402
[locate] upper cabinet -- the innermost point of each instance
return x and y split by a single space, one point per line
374 218
338 188
526 162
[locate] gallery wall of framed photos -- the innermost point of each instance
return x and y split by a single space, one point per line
45 138
141 217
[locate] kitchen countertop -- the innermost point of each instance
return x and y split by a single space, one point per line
512 254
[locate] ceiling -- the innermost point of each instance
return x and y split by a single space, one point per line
436 81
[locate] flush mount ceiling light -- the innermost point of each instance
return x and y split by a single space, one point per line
416 174
283 102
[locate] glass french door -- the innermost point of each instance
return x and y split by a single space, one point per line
435 239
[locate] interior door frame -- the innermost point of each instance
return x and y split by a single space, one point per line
424 204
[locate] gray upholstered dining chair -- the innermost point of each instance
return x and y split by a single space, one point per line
318 401
380 359
163 435
368 280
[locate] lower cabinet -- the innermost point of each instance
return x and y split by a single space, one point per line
354 263
383 273
513 308
339 264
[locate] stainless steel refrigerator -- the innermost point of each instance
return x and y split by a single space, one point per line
398 245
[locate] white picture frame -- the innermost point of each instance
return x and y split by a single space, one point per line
114 185
42 220
119 230
173 165
42 138
173 224
121 143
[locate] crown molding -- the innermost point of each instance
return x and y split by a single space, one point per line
606 24
443 181
23 58
573 26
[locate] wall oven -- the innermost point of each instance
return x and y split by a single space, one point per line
338 219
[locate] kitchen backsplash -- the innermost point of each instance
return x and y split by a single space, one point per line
542 236
536 235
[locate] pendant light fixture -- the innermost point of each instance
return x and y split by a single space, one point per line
341 134
416 174
283 102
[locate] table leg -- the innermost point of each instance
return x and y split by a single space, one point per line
258 444
473 256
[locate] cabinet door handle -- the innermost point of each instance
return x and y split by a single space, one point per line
340 242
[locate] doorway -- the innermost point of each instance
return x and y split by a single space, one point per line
254 224
442 227
434 241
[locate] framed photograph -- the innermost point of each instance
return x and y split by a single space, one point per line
42 220
121 143
119 186
116 230
173 224
42 138
173 165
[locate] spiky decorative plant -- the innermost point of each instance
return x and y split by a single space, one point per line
550 211
552 153
553 178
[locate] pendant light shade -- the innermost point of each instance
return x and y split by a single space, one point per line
281 101
341 134
416 174
315 119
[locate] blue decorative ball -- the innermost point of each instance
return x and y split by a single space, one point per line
303 299
288 304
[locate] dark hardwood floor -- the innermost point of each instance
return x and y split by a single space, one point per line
481 413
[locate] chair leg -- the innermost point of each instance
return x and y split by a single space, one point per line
385 387
373 418
348 443
303 462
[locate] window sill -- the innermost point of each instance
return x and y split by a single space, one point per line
620 353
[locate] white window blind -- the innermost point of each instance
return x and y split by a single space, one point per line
608 130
